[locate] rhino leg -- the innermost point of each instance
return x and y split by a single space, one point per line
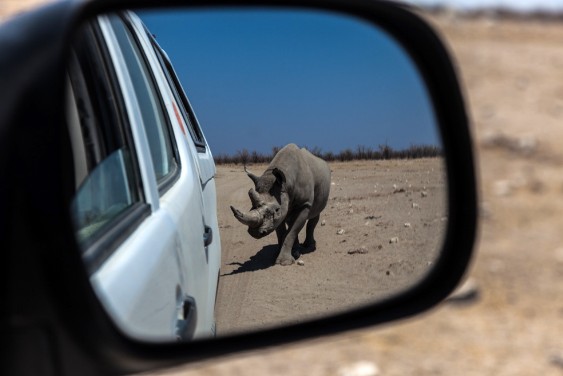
295 225
310 243
281 232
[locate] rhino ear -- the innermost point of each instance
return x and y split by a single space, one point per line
280 176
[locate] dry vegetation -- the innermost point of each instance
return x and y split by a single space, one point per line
361 153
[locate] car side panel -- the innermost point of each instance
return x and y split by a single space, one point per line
187 203
140 280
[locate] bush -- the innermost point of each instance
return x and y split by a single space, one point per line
362 153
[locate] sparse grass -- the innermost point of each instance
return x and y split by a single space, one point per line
383 152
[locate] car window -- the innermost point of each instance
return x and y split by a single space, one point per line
180 96
105 194
158 130
109 202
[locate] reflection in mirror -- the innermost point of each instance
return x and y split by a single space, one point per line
190 227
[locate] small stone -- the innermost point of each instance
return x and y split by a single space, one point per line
415 205
408 225
351 211
485 210
395 187
556 359
367 223
536 186
468 292
363 368
300 262
394 240
340 231
358 251
333 183
323 222
502 188
423 194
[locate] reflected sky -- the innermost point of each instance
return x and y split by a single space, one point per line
259 79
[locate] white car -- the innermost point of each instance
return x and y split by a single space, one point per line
145 204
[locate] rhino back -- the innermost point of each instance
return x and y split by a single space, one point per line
307 177
320 172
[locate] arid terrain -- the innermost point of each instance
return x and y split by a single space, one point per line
512 72
379 234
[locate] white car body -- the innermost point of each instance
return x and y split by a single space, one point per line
160 280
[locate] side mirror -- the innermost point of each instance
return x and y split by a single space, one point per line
109 176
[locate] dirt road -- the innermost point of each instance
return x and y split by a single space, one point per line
357 258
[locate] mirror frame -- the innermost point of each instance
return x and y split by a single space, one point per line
54 316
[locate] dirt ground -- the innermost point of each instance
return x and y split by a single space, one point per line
379 234
513 75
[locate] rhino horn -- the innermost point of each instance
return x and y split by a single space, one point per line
251 176
255 198
251 219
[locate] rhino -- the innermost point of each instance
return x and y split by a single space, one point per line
293 190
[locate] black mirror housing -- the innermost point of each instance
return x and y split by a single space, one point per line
51 320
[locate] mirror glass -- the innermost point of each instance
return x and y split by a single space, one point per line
189 227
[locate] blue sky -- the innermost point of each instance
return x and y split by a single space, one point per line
260 79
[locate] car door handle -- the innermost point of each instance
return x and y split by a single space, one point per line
207 236
186 322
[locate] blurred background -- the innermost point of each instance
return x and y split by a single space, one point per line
508 317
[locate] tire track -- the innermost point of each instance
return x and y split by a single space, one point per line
232 186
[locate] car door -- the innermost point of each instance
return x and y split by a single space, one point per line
201 154
182 198
127 173
189 132
128 244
